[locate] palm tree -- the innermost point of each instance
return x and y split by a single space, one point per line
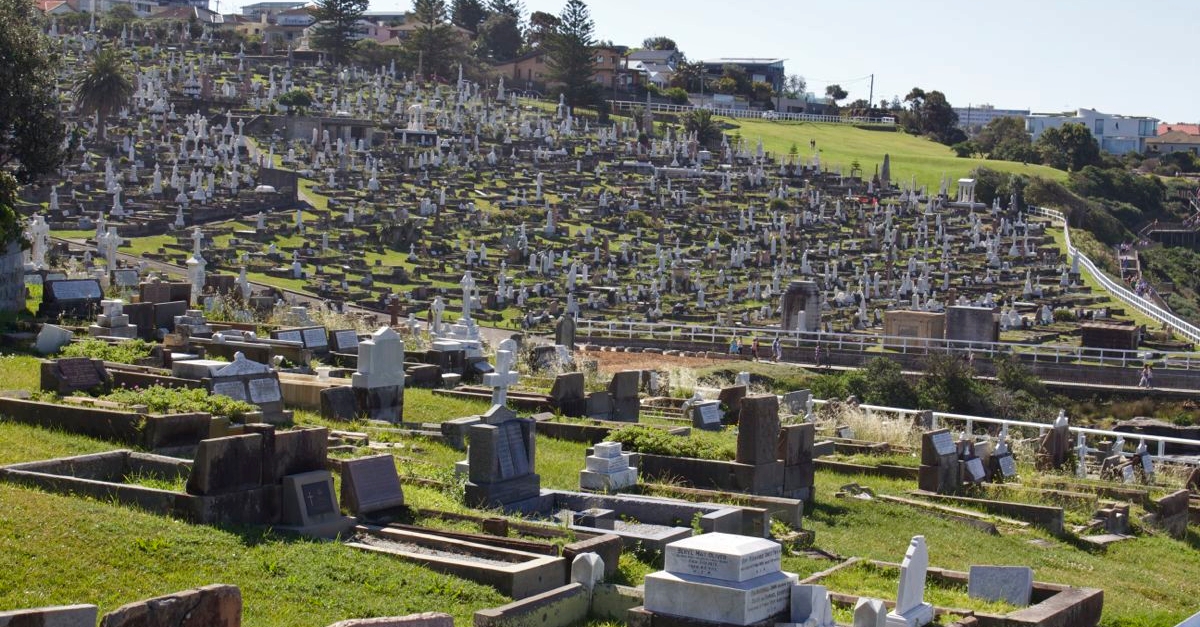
701 122
104 87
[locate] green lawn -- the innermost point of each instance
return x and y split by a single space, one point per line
840 145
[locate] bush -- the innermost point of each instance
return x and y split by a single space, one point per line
163 400
659 442
678 95
128 352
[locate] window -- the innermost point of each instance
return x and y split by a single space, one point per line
1099 127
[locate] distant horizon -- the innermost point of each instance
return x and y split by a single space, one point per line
1027 54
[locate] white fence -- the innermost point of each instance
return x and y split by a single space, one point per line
668 332
1120 292
1157 443
628 105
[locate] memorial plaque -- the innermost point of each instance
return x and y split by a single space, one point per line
503 446
232 389
1127 474
79 372
975 467
88 289
315 338
265 390
516 448
290 336
723 556
1147 464
125 278
372 483
1008 466
346 340
318 500
710 413
943 443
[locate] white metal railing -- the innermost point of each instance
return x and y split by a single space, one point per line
1159 442
1120 292
626 105
668 332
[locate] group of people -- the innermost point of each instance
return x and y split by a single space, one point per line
735 348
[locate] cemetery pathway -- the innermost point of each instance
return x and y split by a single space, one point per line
493 335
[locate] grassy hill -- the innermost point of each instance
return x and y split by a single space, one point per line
841 144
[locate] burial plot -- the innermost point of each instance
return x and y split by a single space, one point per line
254 383
371 486
379 382
721 578
501 460
78 298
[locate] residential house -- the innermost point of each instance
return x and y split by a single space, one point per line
654 67
56 7
1118 134
187 14
759 70
980 115
1190 129
1173 141
532 72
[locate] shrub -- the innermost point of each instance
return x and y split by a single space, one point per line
659 442
678 95
129 352
164 400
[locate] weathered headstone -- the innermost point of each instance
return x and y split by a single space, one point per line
379 382
911 610
624 391
309 505
74 374
217 605
1010 584
569 394
501 460
371 485
254 383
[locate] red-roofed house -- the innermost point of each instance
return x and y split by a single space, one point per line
1190 129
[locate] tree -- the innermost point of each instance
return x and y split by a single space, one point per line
500 37
30 132
337 26
659 42
794 86
701 122
688 75
1006 139
104 87
512 8
939 121
572 54
1069 147
433 47
835 93
762 91
468 14
542 27
296 99
119 17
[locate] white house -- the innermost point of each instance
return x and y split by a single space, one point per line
1117 134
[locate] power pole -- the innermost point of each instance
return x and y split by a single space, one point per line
871 98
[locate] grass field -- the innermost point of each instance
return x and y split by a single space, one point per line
840 145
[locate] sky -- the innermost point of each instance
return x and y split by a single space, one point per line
1131 58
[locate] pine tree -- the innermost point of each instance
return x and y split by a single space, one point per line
468 14
337 26
571 55
434 48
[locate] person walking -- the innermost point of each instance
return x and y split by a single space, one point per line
777 349
1147 379
754 349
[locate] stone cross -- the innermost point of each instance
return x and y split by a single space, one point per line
505 375
468 287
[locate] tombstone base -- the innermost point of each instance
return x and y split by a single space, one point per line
607 481
915 617
328 530
501 493
382 403
128 332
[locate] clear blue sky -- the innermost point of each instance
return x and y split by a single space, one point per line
1134 58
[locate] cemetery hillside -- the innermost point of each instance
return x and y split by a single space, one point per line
319 315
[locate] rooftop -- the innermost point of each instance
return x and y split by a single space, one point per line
746 60
1175 137
1190 129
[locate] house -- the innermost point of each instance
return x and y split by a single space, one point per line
270 32
270 9
531 71
980 115
1190 129
1173 141
187 14
764 70
55 7
1118 134
300 16
655 67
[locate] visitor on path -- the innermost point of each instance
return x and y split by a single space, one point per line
734 347
754 350
818 355
1147 380
777 349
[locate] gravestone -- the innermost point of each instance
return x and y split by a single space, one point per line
587 569
1010 584
564 331
624 392
801 307
344 341
371 485
810 606
225 465
569 395
339 403
1054 449
911 609
79 298
217 605
758 430
75 374
870 613
721 578
795 403
379 381
191 324
731 398
254 383
706 415
51 338
939 470
313 338
977 325
607 469
113 322
500 460
309 506
55 616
